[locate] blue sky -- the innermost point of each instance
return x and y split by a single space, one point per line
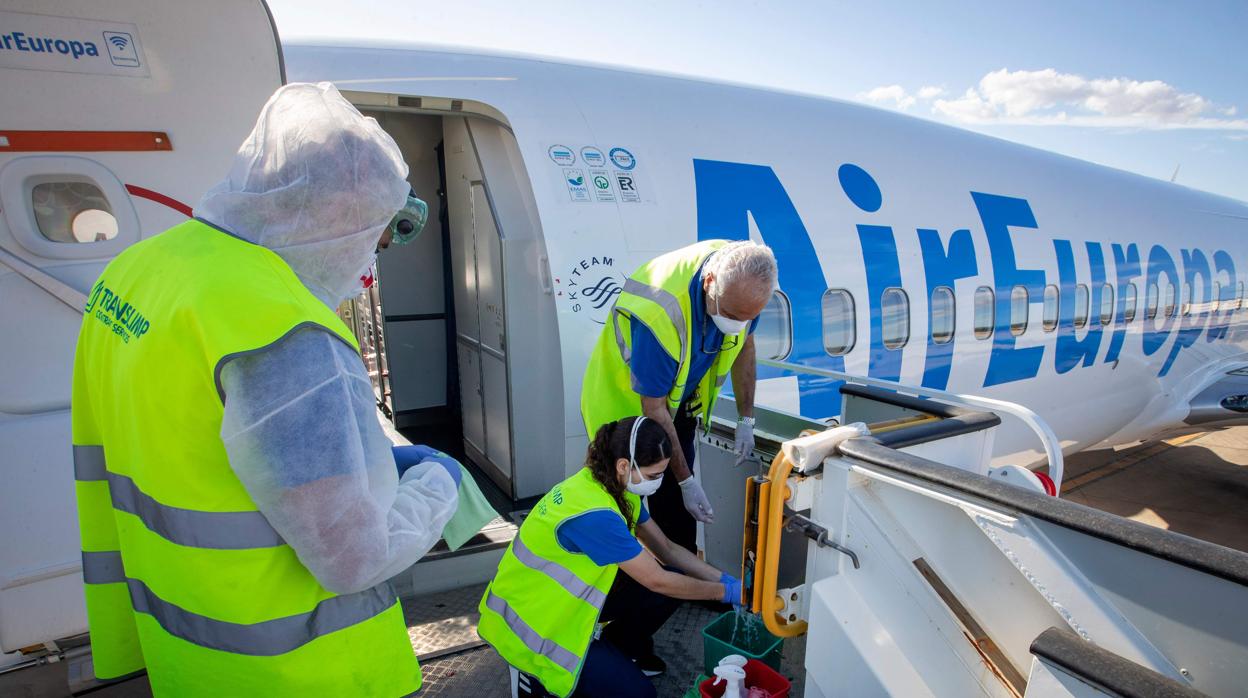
1145 86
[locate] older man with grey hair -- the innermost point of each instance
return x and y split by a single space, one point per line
683 323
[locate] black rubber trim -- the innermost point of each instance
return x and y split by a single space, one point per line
415 317
954 421
277 43
1105 670
1210 558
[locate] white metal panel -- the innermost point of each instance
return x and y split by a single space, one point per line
497 417
490 300
40 574
206 100
461 168
470 397
417 352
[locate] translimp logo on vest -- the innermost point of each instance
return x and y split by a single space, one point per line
124 319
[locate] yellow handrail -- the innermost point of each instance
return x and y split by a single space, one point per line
770 523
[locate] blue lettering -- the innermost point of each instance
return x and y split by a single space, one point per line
728 194
998 213
1190 324
1127 266
879 255
943 267
1221 317
1159 263
1069 351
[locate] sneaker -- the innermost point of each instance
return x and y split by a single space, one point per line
651 665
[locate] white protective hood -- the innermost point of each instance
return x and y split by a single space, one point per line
316 182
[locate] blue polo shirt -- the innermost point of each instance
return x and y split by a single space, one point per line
654 371
602 535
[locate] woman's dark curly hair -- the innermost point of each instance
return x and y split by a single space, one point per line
611 444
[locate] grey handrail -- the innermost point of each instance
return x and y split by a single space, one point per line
1052 447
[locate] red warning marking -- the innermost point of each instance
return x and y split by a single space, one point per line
160 199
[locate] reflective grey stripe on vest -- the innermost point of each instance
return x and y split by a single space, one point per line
219 530
102 567
665 300
562 575
89 463
267 638
536 643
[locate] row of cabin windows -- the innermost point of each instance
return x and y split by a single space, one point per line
774 334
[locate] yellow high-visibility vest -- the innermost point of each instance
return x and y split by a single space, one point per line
184 576
656 295
540 610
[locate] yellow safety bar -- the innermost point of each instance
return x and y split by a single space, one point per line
772 496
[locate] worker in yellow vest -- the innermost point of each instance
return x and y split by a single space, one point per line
239 504
558 579
683 322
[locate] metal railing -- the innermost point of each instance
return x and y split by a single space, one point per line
1048 440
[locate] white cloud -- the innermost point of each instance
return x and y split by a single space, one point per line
888 93
931 92
1047 97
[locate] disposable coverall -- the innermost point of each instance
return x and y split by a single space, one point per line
317 183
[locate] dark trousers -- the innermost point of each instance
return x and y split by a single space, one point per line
636 614
666 506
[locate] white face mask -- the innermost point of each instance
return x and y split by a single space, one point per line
729 326
726 325
645 487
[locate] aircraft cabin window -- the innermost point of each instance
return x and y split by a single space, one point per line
1128 303
1018 310
1081 305
773 337
1107 304
73 212
1239 296
1187 300
1151 302
1049 319
895 318
944 314
985 312
1216 303
839 333
1170 307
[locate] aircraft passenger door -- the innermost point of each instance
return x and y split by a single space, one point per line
126 116
481 341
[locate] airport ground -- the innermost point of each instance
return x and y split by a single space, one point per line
1195 485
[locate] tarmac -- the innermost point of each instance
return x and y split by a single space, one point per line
1196 485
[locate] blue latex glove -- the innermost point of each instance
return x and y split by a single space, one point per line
732 589
450 464
407 456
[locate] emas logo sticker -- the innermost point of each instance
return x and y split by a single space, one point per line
114 312
592 287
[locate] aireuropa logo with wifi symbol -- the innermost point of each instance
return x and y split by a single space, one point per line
121 50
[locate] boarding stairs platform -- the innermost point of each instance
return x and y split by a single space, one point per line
913 567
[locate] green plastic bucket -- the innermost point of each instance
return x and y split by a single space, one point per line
718 641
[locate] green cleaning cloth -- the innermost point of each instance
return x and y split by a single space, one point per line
473 513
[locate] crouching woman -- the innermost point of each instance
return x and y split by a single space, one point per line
558 580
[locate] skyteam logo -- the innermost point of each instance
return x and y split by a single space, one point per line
592 287
115 313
